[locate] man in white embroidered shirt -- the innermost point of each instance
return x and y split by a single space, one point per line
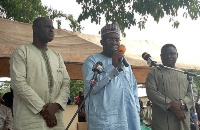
40 82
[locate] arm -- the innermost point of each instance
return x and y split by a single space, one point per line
188 98
104 78
135 89
64 91
19 84
136 97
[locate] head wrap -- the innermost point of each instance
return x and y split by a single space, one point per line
110 28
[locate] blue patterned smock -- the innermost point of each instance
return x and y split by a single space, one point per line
113 103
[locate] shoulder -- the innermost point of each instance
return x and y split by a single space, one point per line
21 50
29 45
5 107
94 57
153 74
153 71
91 60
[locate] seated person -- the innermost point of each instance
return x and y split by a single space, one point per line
142 117
78 101
6 119
147 112
8 99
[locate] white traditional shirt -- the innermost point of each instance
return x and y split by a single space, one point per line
32 87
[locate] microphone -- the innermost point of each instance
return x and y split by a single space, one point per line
97 69
149 60
122 59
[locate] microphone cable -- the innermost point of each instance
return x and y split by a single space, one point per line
97 69
91 88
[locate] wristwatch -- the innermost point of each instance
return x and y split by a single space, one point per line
182 104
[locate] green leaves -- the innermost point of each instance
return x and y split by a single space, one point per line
196 79
5 87
22 10
124 11
27 10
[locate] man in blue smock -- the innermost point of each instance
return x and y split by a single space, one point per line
113 103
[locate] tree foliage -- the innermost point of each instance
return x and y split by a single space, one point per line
125 11
5 87
196 79
27 10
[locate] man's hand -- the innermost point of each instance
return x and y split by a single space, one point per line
116 56
176 109
49 110
48 113
51 122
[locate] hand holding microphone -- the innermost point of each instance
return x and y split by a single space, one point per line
118 59
122 59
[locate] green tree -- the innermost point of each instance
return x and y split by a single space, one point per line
125 11
196 79
27 10
5 87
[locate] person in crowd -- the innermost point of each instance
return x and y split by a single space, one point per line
40 82
78 97
197 107
69 100
113 102
8 99
78 101
6 119
147 112
141 110
192 118
142 117
170 93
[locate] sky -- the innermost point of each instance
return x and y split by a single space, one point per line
161 32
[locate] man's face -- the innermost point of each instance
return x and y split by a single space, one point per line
169 57
45 31
108 42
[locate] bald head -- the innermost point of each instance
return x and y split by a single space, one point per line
42 30
38 21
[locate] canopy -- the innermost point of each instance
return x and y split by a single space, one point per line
74 48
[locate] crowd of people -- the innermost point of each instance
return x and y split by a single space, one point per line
40 88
